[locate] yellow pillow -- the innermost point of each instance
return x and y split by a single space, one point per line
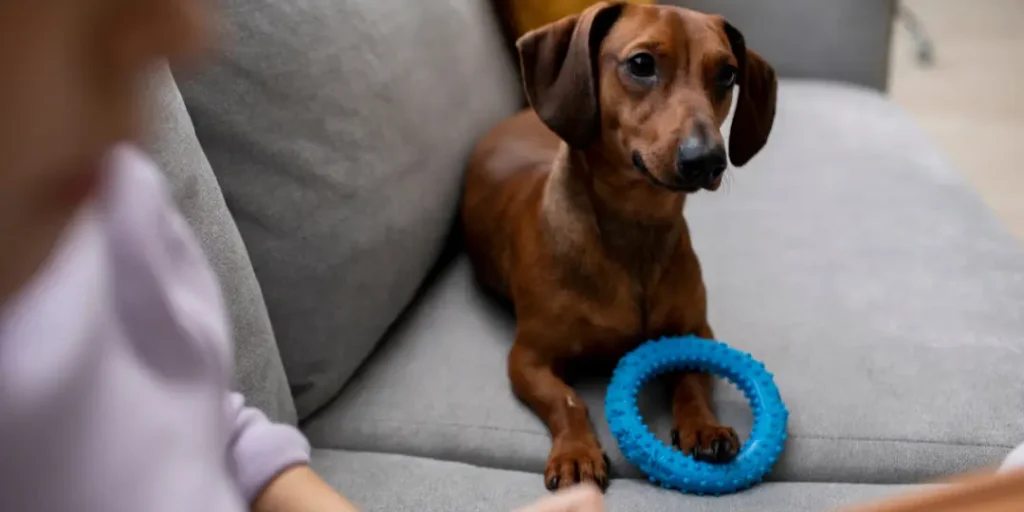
530 14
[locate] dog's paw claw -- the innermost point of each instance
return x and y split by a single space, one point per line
575 462
552 483
708 443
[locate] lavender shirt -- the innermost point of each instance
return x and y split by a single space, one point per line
115 367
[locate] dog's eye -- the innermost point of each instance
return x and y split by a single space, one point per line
726 77
642 65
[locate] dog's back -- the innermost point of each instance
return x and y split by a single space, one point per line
504 181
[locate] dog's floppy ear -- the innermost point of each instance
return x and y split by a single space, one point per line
559 66
755 107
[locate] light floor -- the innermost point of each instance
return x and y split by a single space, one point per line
972 99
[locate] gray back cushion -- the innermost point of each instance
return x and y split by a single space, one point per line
172 143
339 131
844 40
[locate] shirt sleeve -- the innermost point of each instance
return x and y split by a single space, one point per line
260 449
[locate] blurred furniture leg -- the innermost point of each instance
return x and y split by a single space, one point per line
924 47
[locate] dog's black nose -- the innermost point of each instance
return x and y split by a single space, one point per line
697 159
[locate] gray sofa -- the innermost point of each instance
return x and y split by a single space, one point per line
319 157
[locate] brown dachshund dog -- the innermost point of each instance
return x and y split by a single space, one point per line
573 209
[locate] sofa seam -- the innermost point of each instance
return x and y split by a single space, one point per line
460 425
791 436
620 478
898 441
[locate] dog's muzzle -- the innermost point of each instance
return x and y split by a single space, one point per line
701 163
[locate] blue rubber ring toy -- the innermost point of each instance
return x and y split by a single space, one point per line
669 467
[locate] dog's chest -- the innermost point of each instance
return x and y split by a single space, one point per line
619 282
614 308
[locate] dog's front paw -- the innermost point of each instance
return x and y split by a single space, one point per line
708 442
575 460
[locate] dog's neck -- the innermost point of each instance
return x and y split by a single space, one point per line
635 222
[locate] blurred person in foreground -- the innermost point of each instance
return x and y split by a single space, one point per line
115 352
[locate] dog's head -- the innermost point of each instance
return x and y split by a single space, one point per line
648 87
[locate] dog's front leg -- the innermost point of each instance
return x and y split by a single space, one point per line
576 455
696 429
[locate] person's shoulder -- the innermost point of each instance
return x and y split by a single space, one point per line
137 199
156 251
142 219
132 173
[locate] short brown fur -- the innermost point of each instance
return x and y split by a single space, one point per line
594 254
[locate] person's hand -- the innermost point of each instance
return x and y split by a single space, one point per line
581 498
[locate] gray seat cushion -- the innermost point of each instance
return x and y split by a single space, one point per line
171 141
396 483
339 133
849 257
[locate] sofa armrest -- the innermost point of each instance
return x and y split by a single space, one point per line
844 40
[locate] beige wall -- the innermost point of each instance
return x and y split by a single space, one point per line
972 100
